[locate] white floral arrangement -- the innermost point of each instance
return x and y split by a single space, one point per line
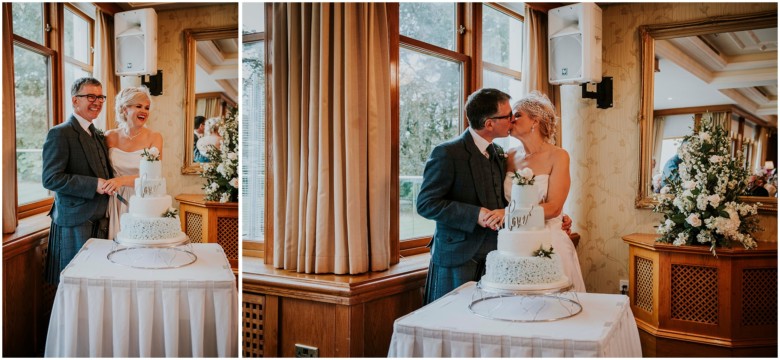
151 154
222 173
524 177
701 205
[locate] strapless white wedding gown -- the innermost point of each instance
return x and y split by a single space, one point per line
561 242
124 163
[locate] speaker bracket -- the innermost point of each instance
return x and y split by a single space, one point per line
603 93
153 82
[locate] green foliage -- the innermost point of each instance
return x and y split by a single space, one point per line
221 174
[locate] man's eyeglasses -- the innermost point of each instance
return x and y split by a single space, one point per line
92 98
507 116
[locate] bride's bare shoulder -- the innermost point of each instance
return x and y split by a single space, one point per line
560 154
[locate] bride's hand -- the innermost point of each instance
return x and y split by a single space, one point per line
111 186
494 219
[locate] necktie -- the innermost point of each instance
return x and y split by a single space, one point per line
92 130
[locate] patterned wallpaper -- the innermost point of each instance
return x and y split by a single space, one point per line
169 107
604 143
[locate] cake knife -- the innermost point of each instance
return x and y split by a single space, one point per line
122 200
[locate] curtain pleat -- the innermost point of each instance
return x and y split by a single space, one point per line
535 62
659 123
104 68
334 136
9 128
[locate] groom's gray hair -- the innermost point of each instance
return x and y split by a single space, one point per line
483 104
81 82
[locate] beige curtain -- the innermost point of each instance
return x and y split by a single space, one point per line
722 118
104 67
331 137
535 61
9 127
659 122
208 107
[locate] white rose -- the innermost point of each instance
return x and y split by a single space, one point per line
224 198
154 151
704 136
665 190
527 173
232 156
690 184
214 186
694 220
221 169
714 200
234 182
714 159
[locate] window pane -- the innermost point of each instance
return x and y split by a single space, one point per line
430 113
31 79
72 72
253 142
28 21
253 17
433 23
77 37
502 39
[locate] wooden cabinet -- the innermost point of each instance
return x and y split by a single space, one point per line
340 315
687 302
211 222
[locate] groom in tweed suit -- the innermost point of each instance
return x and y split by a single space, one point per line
75 168
463 180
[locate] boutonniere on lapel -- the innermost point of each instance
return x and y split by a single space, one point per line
500 151
99 134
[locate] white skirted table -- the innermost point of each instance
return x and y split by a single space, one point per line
104 309
447 328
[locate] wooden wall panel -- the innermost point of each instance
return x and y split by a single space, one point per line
309 323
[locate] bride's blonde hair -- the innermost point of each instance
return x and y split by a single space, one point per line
539 107
130 96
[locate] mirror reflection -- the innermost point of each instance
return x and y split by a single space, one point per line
722 71
212 76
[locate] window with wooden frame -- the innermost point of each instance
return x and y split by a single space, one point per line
49 41
253 124
446 51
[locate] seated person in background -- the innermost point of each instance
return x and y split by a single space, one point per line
210 138
756 188
200 125
670 165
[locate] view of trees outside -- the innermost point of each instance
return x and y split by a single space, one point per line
433 23
28 20
502 45
253 142
430 103
76 49
33 103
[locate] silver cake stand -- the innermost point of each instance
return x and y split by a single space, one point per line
163 256
525 305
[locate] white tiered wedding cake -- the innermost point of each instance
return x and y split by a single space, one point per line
525 259
150 220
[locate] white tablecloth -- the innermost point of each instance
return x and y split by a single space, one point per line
103 309
447 328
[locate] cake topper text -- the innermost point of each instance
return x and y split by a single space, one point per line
516 222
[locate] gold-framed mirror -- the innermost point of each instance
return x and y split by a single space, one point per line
669 46
211 84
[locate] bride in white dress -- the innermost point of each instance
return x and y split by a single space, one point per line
125 146
534 126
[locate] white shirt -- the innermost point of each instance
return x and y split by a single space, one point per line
481 143
84 123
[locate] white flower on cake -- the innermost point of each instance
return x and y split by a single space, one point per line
524 177
151 154
541 252
171 213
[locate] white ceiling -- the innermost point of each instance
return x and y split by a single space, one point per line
715 69
217 67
